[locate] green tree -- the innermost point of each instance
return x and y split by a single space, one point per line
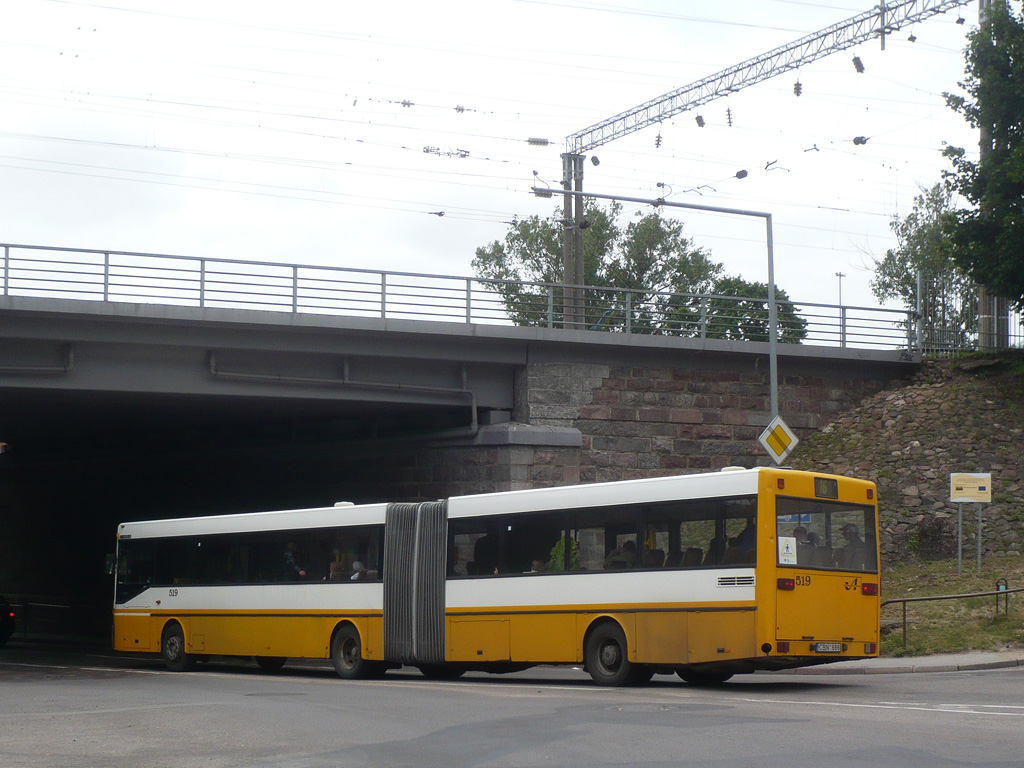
739 311
988 239
948 301
646 270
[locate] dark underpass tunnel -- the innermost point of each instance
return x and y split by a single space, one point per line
59 511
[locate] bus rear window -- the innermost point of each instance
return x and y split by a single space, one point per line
827 535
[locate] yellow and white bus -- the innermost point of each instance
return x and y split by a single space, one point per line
704 575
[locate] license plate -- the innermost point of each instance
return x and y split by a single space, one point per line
828 647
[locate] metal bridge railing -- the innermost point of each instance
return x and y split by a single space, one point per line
120 276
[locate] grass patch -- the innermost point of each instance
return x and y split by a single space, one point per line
952 626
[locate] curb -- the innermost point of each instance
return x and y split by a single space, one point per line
902 669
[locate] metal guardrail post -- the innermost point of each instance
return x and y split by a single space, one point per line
7 265
295 289
629 311
383 295
842 327
703 317
551 306
469 299
106 276
202 283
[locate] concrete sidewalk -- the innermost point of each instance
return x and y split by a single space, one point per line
947 662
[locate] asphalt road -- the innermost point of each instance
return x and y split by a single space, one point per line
94 709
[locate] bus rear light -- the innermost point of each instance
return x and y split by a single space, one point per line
782 646
870 648
871 493
787 583
782 483
869 588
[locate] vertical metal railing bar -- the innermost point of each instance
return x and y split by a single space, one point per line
7 266
295 289
106 276
202 283
383 295
469 300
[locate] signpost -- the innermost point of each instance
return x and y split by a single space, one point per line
778 439
973 488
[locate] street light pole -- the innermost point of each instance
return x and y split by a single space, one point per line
773 320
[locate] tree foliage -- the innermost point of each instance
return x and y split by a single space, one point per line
948 301
988 239
646 275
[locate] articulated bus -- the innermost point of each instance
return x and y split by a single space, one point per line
705 576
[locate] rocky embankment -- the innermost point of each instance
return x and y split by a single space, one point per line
953 416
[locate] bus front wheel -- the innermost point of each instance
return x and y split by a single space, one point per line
606 656
347 655
172 647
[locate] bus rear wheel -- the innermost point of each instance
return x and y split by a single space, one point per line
172 647
606 657
347 656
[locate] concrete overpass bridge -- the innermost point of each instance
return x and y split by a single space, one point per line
136 386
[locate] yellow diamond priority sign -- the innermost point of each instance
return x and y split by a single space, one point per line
778 439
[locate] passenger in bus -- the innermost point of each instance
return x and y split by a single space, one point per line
855 553
747 538
358 571
623 556
716 551
538 566
805 549
485 554
291 567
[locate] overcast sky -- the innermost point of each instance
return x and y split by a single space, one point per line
296 131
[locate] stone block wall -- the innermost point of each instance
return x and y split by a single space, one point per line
660 418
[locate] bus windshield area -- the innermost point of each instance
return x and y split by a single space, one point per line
826 535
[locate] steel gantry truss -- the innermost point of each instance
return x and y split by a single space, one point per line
880 21
883 19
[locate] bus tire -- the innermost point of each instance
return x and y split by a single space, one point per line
271 663
606 655
441 671
705 679
172 648
347 655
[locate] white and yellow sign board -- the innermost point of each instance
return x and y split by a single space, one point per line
778 439
970 486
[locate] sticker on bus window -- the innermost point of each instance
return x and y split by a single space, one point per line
787 550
